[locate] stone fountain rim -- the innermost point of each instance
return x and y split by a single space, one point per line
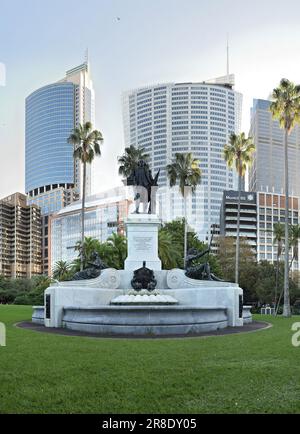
141 307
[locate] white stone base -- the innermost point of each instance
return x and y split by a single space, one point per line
145 320
142 235
178 295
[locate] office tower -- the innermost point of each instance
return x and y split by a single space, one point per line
248 216
52 178
20 237
186 117
267 171
259 212
104 214
271 210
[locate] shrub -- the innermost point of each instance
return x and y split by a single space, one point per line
7 296
22 299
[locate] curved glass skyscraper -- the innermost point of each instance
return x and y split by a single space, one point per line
52 178
187 117
50 116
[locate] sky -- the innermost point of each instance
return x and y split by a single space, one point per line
154 41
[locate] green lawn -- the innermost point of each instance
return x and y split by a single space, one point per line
251 372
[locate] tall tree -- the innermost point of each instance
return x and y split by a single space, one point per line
186 172
278 238
247 266
238 152
285 107
129 160
86 143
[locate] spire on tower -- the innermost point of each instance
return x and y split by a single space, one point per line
86 56
227 50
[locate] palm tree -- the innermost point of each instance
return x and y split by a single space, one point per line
61 269
89 246
286 108
168 250
107 254
119 247
278 232
186 171
238 152
129 160
294 242
86 143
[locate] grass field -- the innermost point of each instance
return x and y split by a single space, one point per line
245 373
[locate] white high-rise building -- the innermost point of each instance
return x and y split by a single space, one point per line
187 117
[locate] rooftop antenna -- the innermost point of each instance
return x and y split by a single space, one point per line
86 56
227 51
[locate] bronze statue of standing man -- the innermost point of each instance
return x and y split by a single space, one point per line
144 187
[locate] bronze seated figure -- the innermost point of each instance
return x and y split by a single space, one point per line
198 271
94 270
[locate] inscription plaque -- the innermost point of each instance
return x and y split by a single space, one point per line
240 306
48 306
141 244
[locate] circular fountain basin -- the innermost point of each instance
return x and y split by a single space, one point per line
38 316
144 320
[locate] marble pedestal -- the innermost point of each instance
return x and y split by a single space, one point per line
142 235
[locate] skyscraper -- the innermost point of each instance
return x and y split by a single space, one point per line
259 212
52 178
248 216
20 237
267 171
187 117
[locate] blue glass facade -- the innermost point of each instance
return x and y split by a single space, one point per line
50 117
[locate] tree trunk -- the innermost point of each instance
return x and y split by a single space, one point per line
82 216
277 278
286 296
237 246
292 260
185 234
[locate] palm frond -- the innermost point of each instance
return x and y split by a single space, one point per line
86 142
239 152
285 105
185 170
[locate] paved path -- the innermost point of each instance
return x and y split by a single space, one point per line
254 326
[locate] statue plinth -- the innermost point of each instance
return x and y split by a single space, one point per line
142 241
